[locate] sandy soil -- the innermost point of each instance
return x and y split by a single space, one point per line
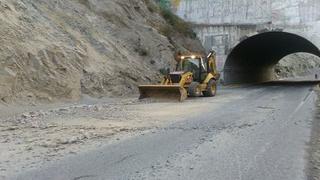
58 50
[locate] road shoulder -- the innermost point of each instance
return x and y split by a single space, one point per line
314 151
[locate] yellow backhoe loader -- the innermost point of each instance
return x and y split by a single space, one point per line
195 75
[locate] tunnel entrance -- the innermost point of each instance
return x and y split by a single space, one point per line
253 59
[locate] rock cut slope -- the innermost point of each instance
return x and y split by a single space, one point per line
55 49
297 66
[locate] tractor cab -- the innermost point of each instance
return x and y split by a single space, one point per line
195 64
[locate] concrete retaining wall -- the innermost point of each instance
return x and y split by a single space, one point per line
222 24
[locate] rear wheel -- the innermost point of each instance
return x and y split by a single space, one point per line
194 89
211 89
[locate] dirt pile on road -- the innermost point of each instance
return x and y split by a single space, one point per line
297 65
31 138
53 50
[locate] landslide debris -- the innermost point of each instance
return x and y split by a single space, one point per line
58 50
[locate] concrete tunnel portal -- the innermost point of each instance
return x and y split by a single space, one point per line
253 59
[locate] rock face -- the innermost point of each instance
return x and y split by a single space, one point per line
298 65
53 50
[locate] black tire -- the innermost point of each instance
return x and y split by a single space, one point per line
211 89
194 89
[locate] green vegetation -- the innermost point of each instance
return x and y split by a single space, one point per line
152 7
177 24
141 51
164 71
165 4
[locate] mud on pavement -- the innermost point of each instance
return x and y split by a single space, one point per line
34 138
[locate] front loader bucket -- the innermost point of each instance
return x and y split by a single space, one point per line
163 92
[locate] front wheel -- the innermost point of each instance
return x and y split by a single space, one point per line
194 89
211 89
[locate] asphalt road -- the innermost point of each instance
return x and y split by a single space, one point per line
263 135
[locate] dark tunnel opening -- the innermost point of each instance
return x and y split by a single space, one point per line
253 59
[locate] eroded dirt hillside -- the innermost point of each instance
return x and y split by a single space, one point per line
55 49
